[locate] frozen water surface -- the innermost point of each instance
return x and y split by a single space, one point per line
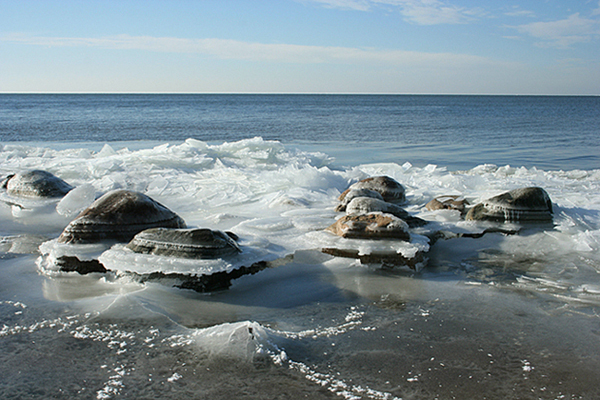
501 316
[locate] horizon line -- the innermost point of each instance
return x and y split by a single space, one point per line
304 93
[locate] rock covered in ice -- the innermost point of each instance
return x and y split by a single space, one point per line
351 194
35 184
118 216
186 243
370 226
451 202
530 204
389 188
366 205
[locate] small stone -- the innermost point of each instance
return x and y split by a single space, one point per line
451 202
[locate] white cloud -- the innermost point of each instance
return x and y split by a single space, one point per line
520 13
562 33
360 5
423 12
596 11
433 12
258 52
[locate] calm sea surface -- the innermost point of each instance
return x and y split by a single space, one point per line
549 132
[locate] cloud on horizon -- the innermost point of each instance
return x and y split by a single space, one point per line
258 52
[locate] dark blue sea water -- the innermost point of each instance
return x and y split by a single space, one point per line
459 132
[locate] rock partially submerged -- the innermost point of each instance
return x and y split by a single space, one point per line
366 205
186 243
370 226
451 202
205 283
118 216
530 204
35 184
388 188
387 259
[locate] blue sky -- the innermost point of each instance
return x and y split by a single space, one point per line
299 46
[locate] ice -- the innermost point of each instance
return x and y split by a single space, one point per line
279 199
76 200
119 258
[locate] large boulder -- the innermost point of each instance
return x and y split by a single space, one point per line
530 204
390 190
371 226
35 184
185 243
366 205
118 216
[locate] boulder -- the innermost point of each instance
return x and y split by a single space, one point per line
530 204
185 243
351 194
371 226
389 189
365 205
452 202
35 184
118 216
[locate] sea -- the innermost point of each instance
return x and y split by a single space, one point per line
510 314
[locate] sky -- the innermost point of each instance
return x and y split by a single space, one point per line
542 47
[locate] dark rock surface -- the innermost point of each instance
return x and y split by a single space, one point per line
118 216
185 243
35 184
390 189
530 204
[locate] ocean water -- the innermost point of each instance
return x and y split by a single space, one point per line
501 316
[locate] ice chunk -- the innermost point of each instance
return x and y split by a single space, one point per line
76 200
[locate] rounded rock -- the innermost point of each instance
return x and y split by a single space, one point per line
184 243
36 184
530 204
371 226
118 216
389 188
351 194
365 205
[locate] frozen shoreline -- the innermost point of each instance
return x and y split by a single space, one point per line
500 316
